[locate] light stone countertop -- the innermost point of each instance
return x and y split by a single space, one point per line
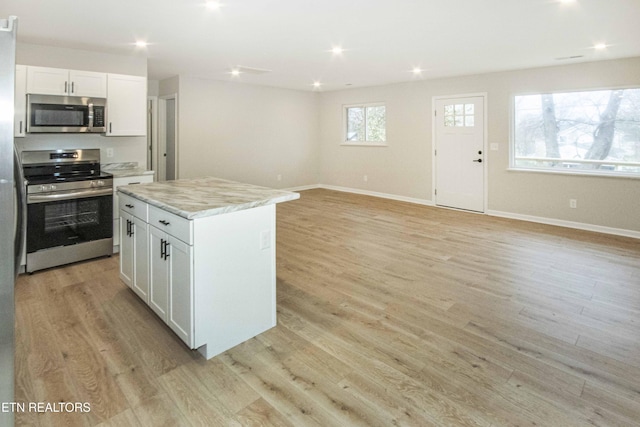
121 170
202 197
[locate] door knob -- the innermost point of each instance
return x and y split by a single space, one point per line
479 160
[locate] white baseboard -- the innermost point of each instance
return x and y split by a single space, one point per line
424 202
303 187
521 217
567 224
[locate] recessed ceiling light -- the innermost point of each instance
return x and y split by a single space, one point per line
317 84
567 1
235 72
141 43
337 50
213 5
600 46
417 71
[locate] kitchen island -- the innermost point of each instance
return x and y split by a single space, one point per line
201 253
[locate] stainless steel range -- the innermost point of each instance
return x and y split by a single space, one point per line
69 207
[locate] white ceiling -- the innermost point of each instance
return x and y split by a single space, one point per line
383 40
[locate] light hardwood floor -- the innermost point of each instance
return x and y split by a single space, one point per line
389 313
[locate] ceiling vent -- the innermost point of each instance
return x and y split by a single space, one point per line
251 70
564 58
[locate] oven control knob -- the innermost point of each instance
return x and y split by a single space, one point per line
93 183
100 183
53 187
45 188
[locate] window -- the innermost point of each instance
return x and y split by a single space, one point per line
459 115
595 132
365 124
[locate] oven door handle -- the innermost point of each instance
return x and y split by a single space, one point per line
52 197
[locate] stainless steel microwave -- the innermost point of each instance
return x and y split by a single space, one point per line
65 114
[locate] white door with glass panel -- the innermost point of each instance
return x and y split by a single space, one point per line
459 153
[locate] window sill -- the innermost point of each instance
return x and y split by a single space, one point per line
364 144
576 173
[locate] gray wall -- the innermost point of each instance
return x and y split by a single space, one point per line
125 149
246 133
404 168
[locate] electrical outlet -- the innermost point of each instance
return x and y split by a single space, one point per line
573 203
109 152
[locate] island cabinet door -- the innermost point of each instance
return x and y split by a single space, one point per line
127 249
141 259
158 272
180 318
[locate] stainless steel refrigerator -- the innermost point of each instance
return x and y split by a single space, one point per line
11 213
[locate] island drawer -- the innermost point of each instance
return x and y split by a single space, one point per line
172 224
134 206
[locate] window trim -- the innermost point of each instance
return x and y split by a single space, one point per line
345 125
566 172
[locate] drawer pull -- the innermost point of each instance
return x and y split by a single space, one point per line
129 206
163 222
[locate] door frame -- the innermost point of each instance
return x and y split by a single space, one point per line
162 134
152 132
485 144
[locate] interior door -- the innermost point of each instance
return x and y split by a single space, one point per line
459 153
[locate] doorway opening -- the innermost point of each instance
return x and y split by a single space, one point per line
167 152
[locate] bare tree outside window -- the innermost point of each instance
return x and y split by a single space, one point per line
594 131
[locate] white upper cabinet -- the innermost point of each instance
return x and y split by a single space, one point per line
58 81
126 105
88 83
20 107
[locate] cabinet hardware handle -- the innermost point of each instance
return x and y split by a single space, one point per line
72 87
163 222
164 253
479 160
109 127
20 126
65 87
128 228
130 206
131 228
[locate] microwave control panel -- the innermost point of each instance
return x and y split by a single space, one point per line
98 116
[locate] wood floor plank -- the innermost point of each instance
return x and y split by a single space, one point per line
389 313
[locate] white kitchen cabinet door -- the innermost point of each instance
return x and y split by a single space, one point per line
88 84
158 273
20 106
141 259
127 249
180 316
60 81
47 81
126 105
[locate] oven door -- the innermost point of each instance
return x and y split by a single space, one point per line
63 221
